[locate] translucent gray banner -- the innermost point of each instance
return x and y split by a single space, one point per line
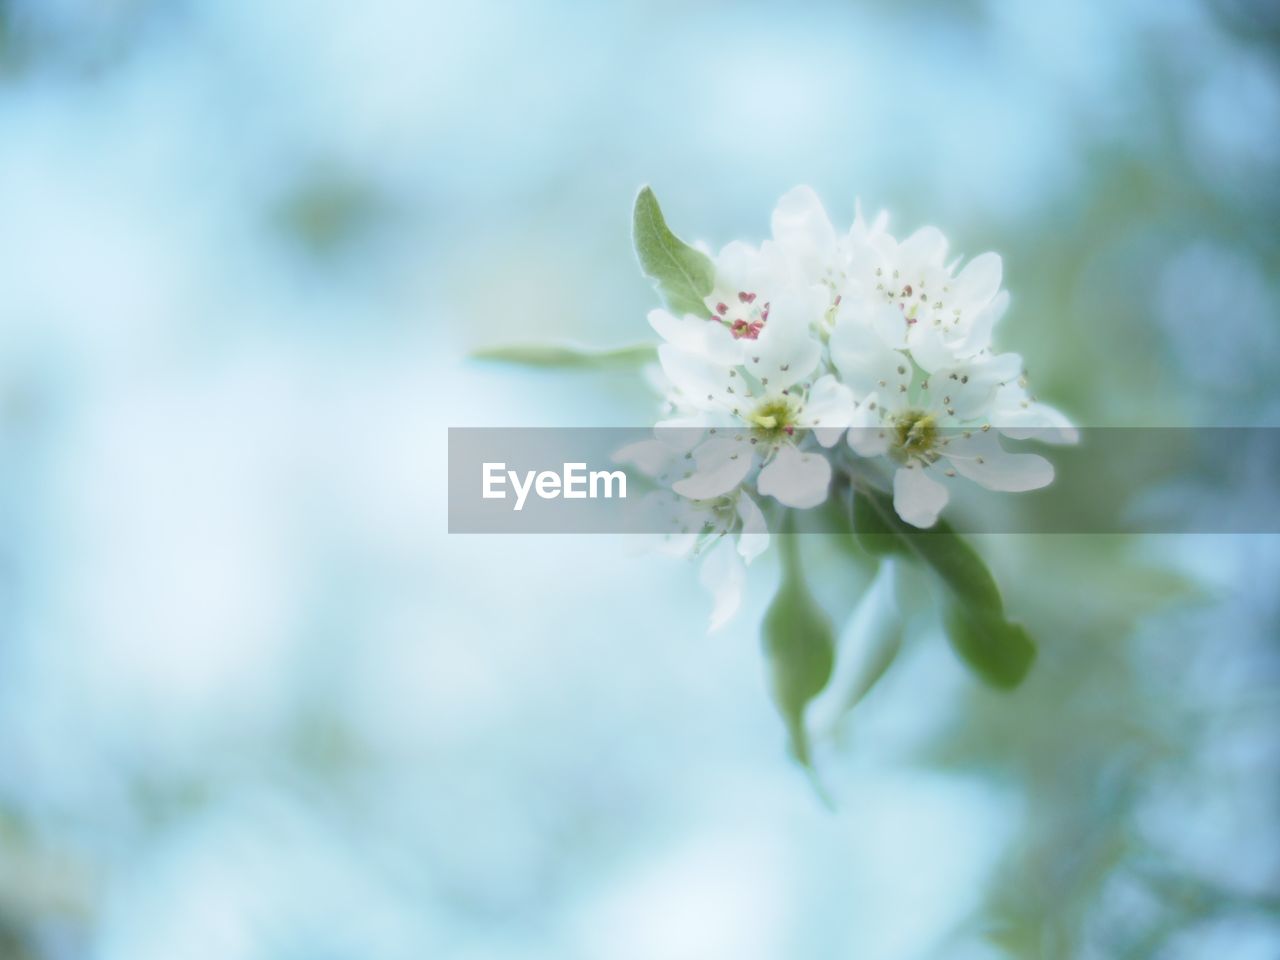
1112 480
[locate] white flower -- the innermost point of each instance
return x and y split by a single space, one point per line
932 426
919 302
815 255
816 335
724 567
747 279
908 289
739 306
728 531
759 410
742 329
805 238
1021 416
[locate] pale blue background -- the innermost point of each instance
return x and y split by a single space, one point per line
255 703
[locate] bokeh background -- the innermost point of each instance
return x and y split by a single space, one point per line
256 703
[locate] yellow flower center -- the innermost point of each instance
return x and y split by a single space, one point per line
773 419
915 434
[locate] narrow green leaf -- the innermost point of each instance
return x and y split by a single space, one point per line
567 355
800 646
877 626
1000 652
683 275
881 531
875 531
958 565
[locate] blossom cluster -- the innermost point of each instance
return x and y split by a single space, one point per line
821 352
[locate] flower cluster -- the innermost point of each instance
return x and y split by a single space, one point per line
820 352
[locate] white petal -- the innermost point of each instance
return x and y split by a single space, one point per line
868 435
1010 473
829 410
861 231
978 337
649 456
724 575
698 336
1002 366
754 538
682 433
701 383
796 479
977 283
655 379
917 497
926 247
786 352
1019 417
985 462
864 359
889 322
801 226
676 330
970 388
678 523
930 347
738 267
720 465
678 544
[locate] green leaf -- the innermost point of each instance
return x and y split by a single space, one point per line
878 625
998 651
875 531
683 275
800 645
568 355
